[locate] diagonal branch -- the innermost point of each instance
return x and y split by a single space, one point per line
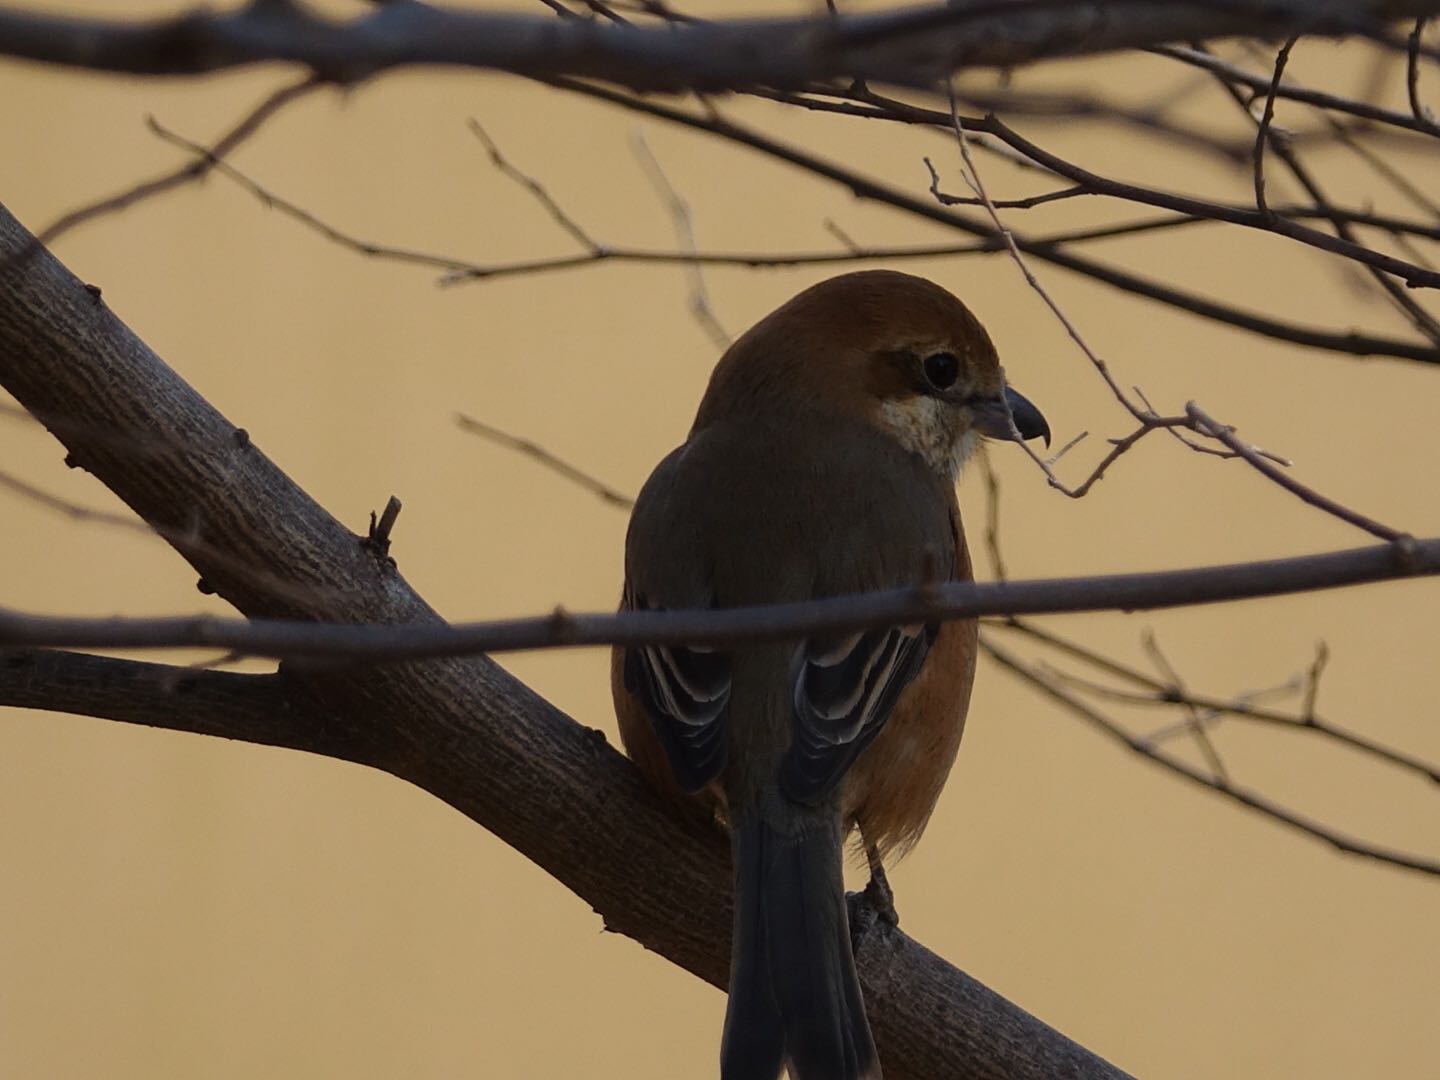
270 710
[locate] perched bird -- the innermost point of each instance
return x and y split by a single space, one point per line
822 462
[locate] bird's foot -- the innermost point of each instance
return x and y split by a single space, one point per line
879 895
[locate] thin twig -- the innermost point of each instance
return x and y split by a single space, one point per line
1262 132
535 188
1195 418
1319 98
1244 796
1207 425
275 202
1157 694
1148 419
992 515
204 162
1007 204
1312 683
1045 247
700 306
1193 725
1412 74
1398 293
868 188
726 626
73 510
1388 172
538 453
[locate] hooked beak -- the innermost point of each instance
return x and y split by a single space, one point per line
994 416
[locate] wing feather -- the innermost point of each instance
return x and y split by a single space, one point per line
685 690
844 692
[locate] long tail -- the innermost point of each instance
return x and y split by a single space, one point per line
794 996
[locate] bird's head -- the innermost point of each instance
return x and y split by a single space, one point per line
894 351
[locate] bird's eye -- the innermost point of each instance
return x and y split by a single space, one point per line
941 370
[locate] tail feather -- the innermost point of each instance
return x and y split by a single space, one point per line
794 995
753 1046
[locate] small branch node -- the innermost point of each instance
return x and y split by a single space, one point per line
377 538
1312 683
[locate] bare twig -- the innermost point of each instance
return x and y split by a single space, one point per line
1194 725
1421 319
1262 131
972 178
1045 247
1207 425
1143 413
1195 418
537 189
1157 694
549 460
1342 244
1244 796
73 510
1004 204
1412 76
204 162
1116 592
274 202
700 306
1393 176
992 515
1319 98
869 188
1312 682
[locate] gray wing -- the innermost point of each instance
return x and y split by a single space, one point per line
684 690
845 689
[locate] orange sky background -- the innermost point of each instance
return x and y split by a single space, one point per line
173 906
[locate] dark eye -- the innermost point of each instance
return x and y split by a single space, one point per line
941 370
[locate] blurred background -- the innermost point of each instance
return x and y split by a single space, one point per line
172 906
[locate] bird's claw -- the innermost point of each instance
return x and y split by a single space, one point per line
880 896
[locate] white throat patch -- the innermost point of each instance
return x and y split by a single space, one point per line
926 426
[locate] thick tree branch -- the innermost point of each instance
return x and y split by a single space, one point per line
912 47
462 729
265 709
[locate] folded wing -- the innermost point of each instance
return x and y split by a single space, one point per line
844 690
685 690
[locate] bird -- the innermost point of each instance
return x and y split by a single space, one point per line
822 462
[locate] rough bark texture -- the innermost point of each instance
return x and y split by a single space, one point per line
462 729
